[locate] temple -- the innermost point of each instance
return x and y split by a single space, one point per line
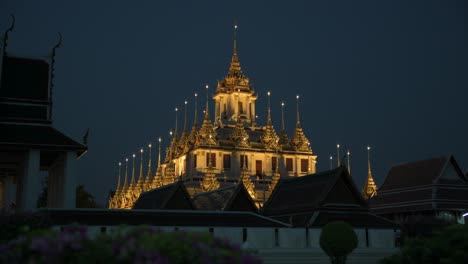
230 149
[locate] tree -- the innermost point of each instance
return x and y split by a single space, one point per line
83 198
338 240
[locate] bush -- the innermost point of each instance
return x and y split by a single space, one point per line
338 240
137 245
449 245
13 225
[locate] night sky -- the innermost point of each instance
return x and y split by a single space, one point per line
389 74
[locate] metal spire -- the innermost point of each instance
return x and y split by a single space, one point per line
331 162
118 179
338 154
185 117
349 165
207 103
297 110
269 110
52 73
176 114
132 182
159 151
282 115
126 174
195 119
140 177
149 160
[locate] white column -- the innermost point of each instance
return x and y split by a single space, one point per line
69 181
31 184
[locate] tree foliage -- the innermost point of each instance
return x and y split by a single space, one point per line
83 198
338 240
449 245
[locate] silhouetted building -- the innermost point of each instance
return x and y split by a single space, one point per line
315 200
29 145
231 198
173 196
434 188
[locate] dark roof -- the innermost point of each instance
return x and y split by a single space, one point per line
108 217
170 196
422 185
25 78
37 136
356 219
224 199
333 188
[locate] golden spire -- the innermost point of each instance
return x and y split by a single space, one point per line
194 132
299 140
338 154
117 190
206 134
159 152
269 137
283 139
173 148
125 185
132 181
234 68
349 165
238 133
157 180
140 183
147 184
182 146
369 189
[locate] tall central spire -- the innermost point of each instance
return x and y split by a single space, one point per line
234 68
370 188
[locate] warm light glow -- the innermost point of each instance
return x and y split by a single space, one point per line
206 86
297 97
126 160
159 139
338 145
185 102
134 155
196 94
141 150
331 157
348 153
235 26
170 133
210 136
120 164
176 109
149 145
282 103
268 93
368 148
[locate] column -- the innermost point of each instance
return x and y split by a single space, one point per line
31 184
69 181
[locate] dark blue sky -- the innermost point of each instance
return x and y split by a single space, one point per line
391 74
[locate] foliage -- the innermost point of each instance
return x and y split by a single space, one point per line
338 240
13 225
137 245
449 245
83 198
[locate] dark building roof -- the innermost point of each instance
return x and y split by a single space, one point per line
37 136
172 196
423 185
328 189
107 217
314 200
231 198
24 90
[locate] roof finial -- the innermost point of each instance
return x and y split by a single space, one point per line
238 109
235 36
159 151
140 177
5 35
331 162
282 115
52 73
297 109
338 154
234 68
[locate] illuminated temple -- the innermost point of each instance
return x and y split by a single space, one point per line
230 149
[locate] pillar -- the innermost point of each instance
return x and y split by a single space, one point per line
31 184
68 190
